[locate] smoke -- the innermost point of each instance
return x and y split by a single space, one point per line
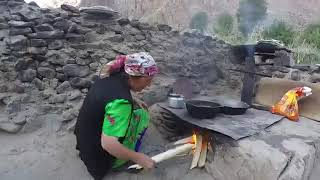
249 14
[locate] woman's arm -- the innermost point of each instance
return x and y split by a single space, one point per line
112 146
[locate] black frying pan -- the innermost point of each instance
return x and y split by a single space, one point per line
232 107
200 109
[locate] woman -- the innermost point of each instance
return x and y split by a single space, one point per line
108 129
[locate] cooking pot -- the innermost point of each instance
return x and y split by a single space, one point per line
176 101
200 109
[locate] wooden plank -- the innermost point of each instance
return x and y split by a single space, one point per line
197 152
203 155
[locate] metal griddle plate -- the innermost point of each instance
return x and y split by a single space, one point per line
236 127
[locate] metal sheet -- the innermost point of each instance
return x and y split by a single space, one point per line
236 127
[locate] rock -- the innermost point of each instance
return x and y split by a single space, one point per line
283 58
72 125
29 14
38 84
302 67
281 69
74 70
164 27
17 43
279 74
22 64
61 77
10 127
73 28
45 72
4 33
4 26
83 61
94 66
63 25
99 10
74 38
27 75
60 98
80 83
57 58
74 95
56 34
13 107
20 118
117 38
32 3
43 27
24 31
38 50
315 78
69 8
20 24
53 83
295 75
123 21
63 87
140 37
39 58
55 45
4 88
38 43
2 19
69 115
17 88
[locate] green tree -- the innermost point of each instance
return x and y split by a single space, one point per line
224 24
249 14
199 21
279 30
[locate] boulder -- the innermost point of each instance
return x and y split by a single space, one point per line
59 98
295 75
20 24
29 14
63 24
56 34
99 10
83 61
123 21
57 58
164 27
69 8
38 84
43 27
46 72
63 87
315 78
27 75
32 3
38 43
74 70
55 45
17 43
74 95
69 115
24 31
4 26
10 127
38 50
117 38
80 83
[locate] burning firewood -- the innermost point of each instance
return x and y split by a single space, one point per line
167 155
184 141
197 152
203 155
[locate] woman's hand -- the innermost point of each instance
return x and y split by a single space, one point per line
144 161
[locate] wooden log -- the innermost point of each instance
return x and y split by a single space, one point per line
203 154
167 155
183 141
197 152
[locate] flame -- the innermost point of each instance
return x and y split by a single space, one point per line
194 138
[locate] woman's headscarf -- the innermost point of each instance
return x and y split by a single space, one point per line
137 64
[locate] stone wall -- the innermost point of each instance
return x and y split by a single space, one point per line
49 59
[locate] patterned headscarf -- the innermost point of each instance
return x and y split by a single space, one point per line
138 64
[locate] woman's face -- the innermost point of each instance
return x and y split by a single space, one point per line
139 83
